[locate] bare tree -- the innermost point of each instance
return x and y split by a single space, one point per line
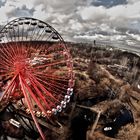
124 61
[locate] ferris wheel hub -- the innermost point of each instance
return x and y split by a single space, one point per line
20 67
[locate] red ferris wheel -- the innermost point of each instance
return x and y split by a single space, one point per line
36 68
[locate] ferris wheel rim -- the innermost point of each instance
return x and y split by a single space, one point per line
35 19
28 18
34 81
11 23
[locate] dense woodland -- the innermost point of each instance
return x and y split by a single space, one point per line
106 100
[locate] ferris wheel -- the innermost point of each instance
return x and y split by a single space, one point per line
36 69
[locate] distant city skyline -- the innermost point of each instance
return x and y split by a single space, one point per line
81 20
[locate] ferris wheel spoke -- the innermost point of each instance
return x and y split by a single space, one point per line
38 34
13 37
48 37
43 89
28 23
5 58
34 24
51 100
55 82
55 91
58 84
53 76
7 74
5 46
7 89
5 63
5 52
23 32
50 64
33 96
39 93
54 47
28 101
52 86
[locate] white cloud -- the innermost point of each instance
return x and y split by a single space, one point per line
15 8
79 19
57 5
93 13
135 36
132 1
125 11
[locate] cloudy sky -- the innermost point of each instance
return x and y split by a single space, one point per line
81 20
